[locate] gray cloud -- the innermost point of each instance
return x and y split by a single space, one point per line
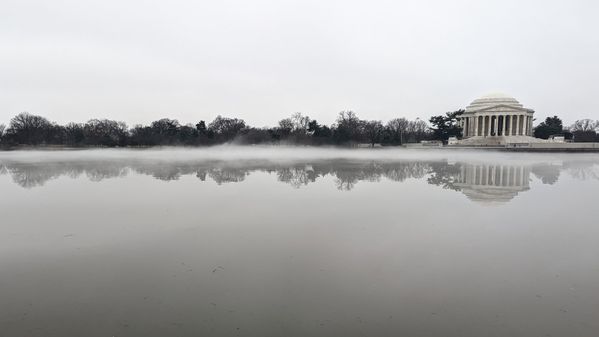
262 60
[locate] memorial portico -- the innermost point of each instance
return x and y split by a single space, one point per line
496 115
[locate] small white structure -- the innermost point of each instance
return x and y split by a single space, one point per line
431 143
496 119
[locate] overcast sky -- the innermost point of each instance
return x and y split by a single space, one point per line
139 61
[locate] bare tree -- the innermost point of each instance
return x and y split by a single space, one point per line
417 130
373 130
397 129
286 126
300 122
26 128
585 125
348 128
165 130
226 128
585 130
105 132
74 133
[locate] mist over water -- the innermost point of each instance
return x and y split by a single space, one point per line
233 152
275 241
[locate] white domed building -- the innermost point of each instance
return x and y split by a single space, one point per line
496 119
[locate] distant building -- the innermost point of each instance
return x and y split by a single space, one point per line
496 119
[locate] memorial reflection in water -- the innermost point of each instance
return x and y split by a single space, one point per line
493 182
482 182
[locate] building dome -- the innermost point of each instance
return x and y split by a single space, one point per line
491 100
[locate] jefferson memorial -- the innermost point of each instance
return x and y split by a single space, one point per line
496 119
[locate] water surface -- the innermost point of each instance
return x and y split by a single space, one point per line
298 242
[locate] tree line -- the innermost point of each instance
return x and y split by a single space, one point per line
348 129
31 129
300 173
582 130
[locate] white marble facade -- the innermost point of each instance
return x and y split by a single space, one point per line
496 115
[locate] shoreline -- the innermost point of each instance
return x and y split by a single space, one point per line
551 147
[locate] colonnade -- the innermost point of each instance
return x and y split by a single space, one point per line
497 125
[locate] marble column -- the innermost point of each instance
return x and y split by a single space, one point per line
484 126
511 125
469 126
503 125
496 125
475 125
530 126
517 125
468 123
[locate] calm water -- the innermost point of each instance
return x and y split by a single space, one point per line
296 242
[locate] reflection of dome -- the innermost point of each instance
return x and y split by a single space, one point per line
492 100
490 194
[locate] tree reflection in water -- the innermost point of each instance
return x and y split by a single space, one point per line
479 181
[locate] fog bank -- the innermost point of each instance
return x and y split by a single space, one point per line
280 154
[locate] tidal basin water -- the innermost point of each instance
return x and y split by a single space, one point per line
298 242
